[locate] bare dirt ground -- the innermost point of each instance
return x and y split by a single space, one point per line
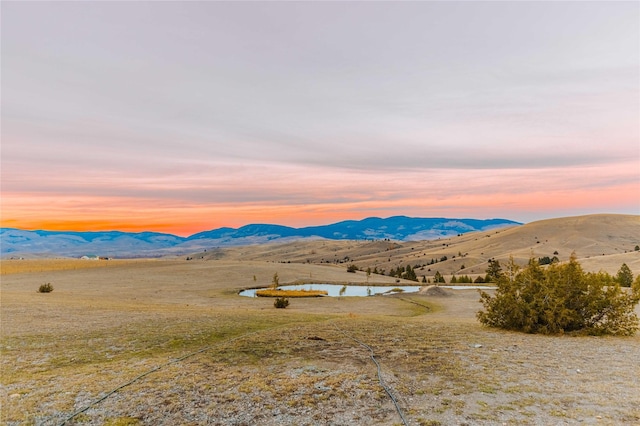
202 355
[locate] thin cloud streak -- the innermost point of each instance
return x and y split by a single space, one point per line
246 182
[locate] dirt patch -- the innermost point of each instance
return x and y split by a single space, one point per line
434 290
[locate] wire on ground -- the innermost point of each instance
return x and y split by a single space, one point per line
153 370
189 355
380 379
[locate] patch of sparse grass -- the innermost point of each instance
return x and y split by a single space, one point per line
492 417
425 422
484 388
558 413
525 401
123 421
517 389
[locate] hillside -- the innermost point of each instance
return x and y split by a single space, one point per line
22 243
601 242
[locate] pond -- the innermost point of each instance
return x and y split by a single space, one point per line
336 290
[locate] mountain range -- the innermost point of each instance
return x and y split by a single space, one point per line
17 242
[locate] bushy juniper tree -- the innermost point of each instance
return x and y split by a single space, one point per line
559 299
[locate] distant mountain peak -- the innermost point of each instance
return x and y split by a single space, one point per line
126 244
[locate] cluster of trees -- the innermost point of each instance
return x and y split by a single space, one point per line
434 261
546 260
624 277
462 279
438 278
560 298
406 273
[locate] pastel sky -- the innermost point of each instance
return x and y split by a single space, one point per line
186 116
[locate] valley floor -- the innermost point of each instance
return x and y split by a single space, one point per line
192 351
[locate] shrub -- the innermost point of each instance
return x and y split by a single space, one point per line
281 302
562 298
45 288
544 260
352 268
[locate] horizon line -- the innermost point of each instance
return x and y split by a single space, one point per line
66 230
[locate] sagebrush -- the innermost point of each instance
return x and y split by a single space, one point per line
281 302
45 288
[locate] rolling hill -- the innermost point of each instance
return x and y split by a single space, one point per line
601 242
18 243
449 246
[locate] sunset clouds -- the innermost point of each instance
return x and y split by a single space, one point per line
181 117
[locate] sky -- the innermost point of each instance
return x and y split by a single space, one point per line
182 117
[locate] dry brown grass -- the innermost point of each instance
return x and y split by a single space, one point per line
291 293
101 328
601 242
15 266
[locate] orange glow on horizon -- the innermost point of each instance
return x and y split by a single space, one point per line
125 215
320 199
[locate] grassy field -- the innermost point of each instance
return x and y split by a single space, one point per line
8 267
204 355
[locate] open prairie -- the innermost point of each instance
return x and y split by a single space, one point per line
189 350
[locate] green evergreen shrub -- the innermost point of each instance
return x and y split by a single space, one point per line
281 302
45 288
559 299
